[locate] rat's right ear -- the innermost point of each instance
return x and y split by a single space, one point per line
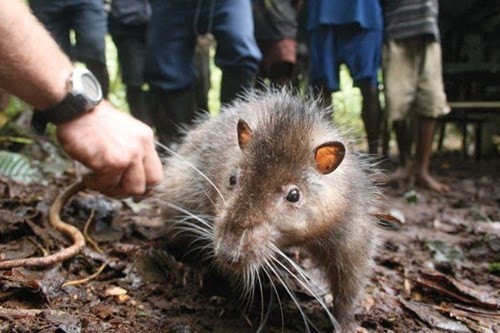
244 134
328 156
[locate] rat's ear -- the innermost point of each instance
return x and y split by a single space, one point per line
244 134
328 156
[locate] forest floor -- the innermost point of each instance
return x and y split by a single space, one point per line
437 268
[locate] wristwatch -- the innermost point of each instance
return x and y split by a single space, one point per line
84 93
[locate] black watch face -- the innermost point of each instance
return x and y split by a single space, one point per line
91 87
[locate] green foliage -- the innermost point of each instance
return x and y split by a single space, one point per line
442 251
215 81
117 92
412 197
347 104
14 107
494 268
18 167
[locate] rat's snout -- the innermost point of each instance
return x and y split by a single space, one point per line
239 249
226 254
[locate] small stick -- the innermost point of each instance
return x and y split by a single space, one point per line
56 222
87 279
21 313
87 236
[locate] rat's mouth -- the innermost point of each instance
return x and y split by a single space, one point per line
237 261
243 252
246 269
234 260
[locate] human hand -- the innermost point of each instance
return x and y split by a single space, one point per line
119 149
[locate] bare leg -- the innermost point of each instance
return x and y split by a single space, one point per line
325 98
370 113
424 150
404 143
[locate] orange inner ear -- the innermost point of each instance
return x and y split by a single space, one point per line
244 134
328 156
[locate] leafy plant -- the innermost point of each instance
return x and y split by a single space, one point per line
18 167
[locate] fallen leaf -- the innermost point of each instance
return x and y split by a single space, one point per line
458 291
442 251
392 219
122 298
114 291
476 319
435 320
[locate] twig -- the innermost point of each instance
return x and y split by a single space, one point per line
39 246
56 222
15 139
20 313
87 279
87 236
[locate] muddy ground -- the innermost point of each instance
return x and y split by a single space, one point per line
437 269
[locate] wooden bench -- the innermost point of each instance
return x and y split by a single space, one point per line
469 112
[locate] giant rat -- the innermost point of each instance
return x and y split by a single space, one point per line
269 173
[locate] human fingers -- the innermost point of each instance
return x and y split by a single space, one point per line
106 183
132 182
153 167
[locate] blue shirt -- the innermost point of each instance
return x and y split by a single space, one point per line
365 13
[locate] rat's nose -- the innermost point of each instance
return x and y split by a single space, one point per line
225 253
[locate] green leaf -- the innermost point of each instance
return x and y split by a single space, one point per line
18 167
494 268
442 251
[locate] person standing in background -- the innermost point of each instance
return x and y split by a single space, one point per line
87 18
348 32
127 24
276 33
169 70
413 79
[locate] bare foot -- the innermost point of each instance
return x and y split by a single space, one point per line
426 180
401 174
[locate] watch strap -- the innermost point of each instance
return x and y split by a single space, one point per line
68 109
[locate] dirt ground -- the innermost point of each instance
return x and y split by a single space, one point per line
437 269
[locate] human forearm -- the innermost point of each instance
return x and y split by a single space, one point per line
31 64
119 149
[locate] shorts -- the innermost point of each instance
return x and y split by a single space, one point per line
131 50
330 46
278 51
413 80
86 17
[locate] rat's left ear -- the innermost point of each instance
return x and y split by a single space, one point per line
328 156
244 134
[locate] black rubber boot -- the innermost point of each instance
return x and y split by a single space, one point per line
234 82
170 111
136 100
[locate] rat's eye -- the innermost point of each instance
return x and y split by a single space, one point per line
293 195
232 179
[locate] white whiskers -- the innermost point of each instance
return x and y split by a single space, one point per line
173 153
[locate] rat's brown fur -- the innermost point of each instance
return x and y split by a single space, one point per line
235 173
